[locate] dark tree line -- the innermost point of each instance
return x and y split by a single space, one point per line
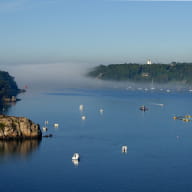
8 86
159 73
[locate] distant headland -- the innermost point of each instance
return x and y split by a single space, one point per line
8 87
156 72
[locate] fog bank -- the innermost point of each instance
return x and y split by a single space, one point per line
48 76
58 76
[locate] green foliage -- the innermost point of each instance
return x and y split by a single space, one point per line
8 86
160 73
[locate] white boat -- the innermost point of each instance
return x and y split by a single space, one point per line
159 104
76 156
143 108
44 128
83 117
101 111
81 107
56 125
124 149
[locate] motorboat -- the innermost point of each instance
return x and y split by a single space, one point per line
143 108
76 156
124 149
44 128
81 107
83 117
101 111
56 125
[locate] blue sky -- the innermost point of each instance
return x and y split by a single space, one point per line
94 31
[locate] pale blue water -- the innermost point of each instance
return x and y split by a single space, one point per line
159 157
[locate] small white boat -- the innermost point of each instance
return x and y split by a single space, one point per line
56 125
159 104
124 149
44 128
101 111
83 117
81 107
143 108
76 156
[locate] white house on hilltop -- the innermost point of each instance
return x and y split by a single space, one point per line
149 62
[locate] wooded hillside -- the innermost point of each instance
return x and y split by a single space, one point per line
159 73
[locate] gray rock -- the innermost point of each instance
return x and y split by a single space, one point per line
18 128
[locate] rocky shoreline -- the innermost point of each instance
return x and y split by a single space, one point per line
12 127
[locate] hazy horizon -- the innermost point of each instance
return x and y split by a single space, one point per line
59 76
53 42
94 32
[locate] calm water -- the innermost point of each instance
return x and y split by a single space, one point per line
159 148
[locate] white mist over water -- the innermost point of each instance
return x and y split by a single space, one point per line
48 76
58 76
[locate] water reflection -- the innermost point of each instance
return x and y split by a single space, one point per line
18 148
75 162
